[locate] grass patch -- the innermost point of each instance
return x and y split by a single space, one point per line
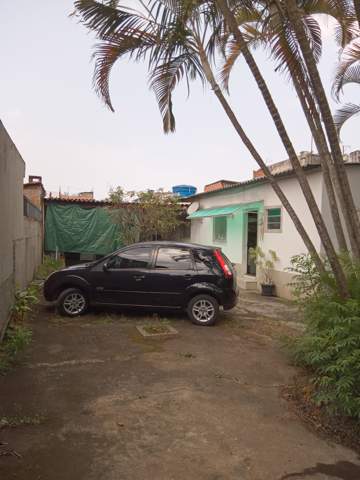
104 319
156 329
13 421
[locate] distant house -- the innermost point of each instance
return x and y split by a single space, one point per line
241 215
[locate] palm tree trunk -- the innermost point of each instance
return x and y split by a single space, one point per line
305 187
325 159
357 10
257 157
313 119
345 194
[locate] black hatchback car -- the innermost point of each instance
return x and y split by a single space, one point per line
156 275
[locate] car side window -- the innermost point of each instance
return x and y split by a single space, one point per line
170 258
133 258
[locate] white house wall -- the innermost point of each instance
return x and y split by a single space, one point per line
286 243
353 172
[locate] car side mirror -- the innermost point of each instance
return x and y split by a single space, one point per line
105 267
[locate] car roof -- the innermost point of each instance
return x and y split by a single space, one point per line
165 243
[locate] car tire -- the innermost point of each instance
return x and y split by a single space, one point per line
203 310
72 302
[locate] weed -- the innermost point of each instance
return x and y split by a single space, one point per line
15 340
20 420
24 299
187 355
104 320
156 329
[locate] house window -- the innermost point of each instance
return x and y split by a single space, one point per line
220 227
273 219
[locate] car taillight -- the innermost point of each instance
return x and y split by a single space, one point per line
223 265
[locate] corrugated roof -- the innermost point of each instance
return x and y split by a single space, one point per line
77 200
96 202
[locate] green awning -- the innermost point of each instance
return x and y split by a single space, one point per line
216 212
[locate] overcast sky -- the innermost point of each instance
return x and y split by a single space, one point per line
66 135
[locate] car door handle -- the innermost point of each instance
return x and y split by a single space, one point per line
188 276
138 278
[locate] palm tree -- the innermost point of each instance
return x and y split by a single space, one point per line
357 10
230 18
348 72
172 37
268 28
345 197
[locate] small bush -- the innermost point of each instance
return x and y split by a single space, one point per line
330 346
24 299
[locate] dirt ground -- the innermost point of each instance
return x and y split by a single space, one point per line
204 404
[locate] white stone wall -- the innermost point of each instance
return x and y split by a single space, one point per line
353 172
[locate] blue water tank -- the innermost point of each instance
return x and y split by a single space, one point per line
184 190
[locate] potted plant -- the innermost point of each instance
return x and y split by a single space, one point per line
265 264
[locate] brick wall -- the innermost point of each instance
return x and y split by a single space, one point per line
220 184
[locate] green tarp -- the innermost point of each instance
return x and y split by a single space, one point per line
215 212
75 229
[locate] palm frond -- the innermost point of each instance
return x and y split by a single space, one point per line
106 20
108 52
348 66
247 17
344 113
313 31
340 10
233 52
165 77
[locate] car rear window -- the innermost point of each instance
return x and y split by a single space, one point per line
169 258
203 260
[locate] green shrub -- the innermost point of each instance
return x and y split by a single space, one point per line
330 346
23 301
15 340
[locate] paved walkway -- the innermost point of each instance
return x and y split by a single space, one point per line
200 405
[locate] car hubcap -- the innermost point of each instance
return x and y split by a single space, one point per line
203 310
74 303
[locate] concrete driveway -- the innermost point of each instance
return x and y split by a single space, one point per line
203 404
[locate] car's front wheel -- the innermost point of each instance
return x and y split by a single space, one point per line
72 302
203 310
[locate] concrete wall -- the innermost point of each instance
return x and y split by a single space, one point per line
28 252
20 238
286 243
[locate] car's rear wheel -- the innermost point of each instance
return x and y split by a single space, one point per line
72 302
203 310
